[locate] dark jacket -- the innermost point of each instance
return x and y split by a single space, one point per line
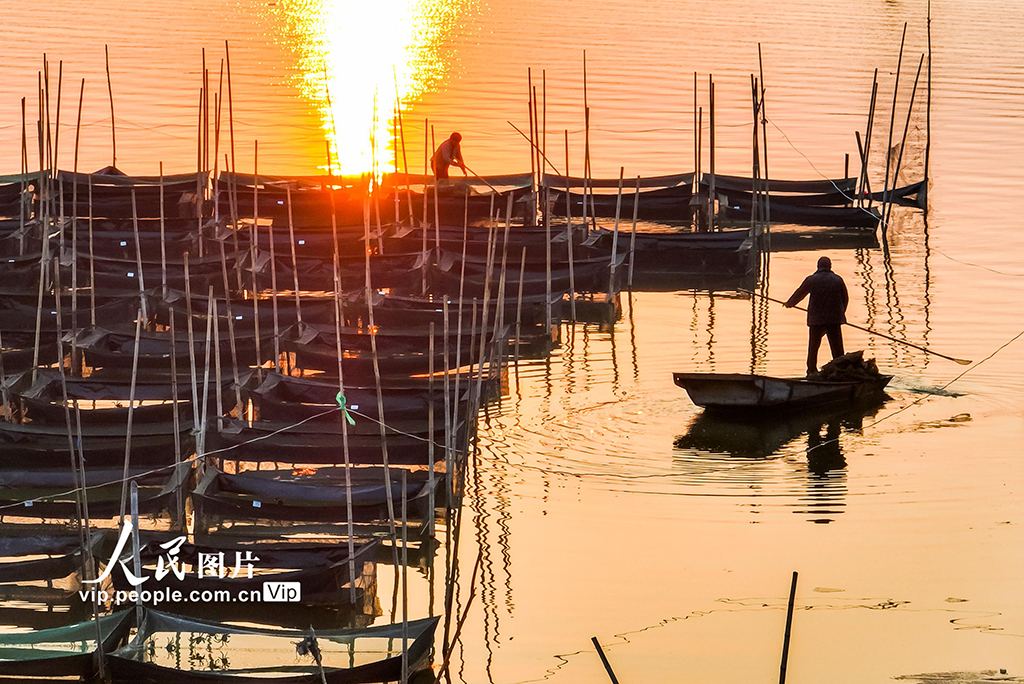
829 298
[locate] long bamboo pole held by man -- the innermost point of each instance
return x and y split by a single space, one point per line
962 362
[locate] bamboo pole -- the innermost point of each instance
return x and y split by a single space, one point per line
544 135
74 237
426 152
228 309
405 158
204 425
529 115
295 260
437 202
131 414
136 550
863 182
138 259
540 162
615 237
789 630
56 126
430 431
252 254
273 287
113 124
377 381
519 309
547 262
163 239
711 153
604 660
218 390
767 213
24 170
92 261
48 131
696 137
632 235
571 235
233 188
339 318
892 123
928 113
405 578
903 142
89 571
449 401
176 418
191 346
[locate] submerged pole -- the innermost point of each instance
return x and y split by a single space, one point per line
789 628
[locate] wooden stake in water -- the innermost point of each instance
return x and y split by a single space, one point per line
892 123
405 578
928 114
138 259
789 628
291 242
339 318
274 291
615 237
570 238
711 155
632 235
903 142
131 413
604 660
136 549
178 494
252 254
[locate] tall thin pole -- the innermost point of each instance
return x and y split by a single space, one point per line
615 237
711 153
131 413
291 242
892 123
903 142
632 235
927 116
569 246
113 124
252 253
789 628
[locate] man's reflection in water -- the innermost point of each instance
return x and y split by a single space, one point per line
826 467
821 497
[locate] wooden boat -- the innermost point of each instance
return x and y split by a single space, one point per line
62 651
760 393
849 217
202 651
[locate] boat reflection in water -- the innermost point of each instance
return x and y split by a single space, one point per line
764 437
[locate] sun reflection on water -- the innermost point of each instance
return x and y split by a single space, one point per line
358 55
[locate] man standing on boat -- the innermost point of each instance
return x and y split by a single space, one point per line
447 153
826 311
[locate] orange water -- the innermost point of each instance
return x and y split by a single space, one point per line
591 520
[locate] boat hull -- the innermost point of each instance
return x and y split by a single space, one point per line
760 393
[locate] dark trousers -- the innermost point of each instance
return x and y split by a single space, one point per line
835 343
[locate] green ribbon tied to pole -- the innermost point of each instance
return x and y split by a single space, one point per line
342 405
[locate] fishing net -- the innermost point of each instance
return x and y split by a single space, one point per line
852 367
19 650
